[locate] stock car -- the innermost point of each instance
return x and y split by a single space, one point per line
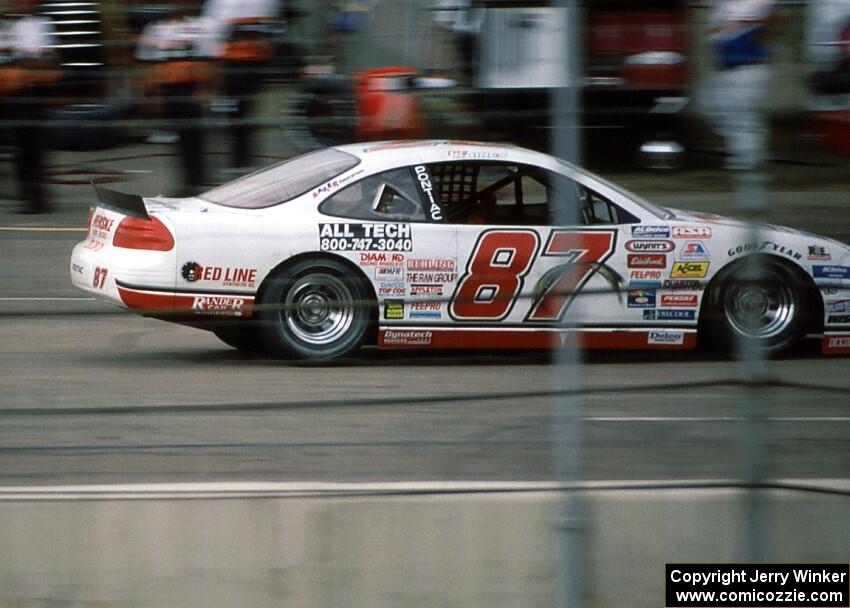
452 244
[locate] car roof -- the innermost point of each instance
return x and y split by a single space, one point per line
404 152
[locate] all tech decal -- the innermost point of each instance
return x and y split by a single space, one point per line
365 237
689 270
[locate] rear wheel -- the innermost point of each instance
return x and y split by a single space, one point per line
767 302
314 309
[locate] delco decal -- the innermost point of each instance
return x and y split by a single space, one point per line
365 237
394 309
382 260
650 246
691 232
648 260
641 299
831 272
694 250
220 305
666 337
689 270
651 232
816 252
683 300
228 277
396 337
669 315
838 342
444 264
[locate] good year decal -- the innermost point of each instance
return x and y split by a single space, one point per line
501 259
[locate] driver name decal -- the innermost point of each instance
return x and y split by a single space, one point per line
365 237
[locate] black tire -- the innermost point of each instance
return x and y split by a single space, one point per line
241 337
767 302
314 309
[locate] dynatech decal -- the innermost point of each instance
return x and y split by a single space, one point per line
398 337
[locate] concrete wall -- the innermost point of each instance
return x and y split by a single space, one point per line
491 549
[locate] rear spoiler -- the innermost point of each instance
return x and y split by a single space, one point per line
130 204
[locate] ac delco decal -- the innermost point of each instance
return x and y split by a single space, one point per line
689 270
679 300
649 260
227 276
651 232
691 232
650 246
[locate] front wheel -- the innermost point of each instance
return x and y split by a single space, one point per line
765 301
314 309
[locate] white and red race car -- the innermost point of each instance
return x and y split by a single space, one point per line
442 244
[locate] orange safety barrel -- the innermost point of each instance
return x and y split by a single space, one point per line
387 105
179 72
248 41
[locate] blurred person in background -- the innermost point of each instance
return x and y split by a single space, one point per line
464 21
240 29
27 68
739 86
178 52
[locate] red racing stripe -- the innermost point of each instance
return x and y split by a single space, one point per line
528 339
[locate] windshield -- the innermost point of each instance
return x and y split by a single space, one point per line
638 200
282 182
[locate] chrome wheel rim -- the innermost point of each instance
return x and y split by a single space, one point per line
318 309
760 310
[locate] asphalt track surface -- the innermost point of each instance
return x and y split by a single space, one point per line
92 395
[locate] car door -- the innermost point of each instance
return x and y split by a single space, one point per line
390 225
523 265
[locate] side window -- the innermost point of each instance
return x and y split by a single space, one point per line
388 196
598 210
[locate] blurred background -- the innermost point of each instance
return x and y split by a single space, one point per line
149 465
